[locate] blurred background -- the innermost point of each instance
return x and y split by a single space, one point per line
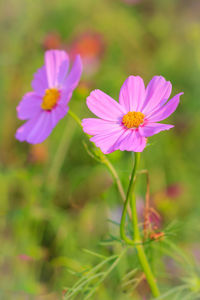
55 200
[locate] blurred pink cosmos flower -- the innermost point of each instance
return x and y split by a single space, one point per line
25 257
91 46
47 104
127 124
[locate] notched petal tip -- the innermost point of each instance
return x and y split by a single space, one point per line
166 110
92 94
56 52
18 134
74 75
152 128
53 61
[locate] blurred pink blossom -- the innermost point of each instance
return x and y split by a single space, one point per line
25 257
47 104
90 45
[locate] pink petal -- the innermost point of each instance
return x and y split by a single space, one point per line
65 97
74 76
62 73
40 83
158 90
104 106
141 142
131 140
120 144
132 93
94 126
106 141
150 129
55 69
35 130
58 113
29 106
165 111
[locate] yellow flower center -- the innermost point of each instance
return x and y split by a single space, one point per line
133 119
50 99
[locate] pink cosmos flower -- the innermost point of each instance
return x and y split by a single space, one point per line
127 124
47 103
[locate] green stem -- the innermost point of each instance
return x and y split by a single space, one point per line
113 172
130 189
75 117
106 162
53 173
141 254
115 176
137 242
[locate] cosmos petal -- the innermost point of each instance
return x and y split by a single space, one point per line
132 93
106 141
150 129
36 130
131 140
54 66
62 73
158 90
58 113
65 97
165 111
29 106
103 106
74 75
40 82
141 142
94 126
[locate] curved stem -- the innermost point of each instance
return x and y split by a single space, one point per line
130 189
147 205
75 117
106 161
137 242
141 254
57 162
116 177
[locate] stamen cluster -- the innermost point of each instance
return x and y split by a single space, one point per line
133 119
50 99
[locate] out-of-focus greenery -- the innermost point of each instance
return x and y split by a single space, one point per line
55 199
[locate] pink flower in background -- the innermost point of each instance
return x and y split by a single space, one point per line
174 191
25 257
127 124
52 40
48 102
91 46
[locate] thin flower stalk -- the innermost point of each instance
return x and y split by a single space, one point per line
129 192
147 204
106 162
60 154
137 241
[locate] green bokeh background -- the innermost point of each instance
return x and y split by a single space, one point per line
49 213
